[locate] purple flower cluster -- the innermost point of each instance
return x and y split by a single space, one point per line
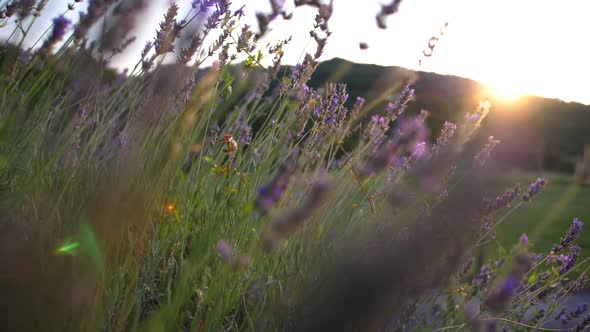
291 221
271 193
524 240
502 201
166 34
506 288
567 261
60 24
395 109
571 235
376 129
534 189
482 156
331 113
203 5
420 151
446 134
96 9
411 131
565 317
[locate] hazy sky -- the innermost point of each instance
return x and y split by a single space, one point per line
515 46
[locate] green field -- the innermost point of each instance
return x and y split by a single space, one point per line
547 217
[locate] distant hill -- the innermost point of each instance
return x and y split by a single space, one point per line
536 132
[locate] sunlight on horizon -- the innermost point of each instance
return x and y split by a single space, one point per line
504 92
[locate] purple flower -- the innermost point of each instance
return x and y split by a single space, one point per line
420 150
400 104
482 156
564 320
446 134
376 129
524 240
534 189
571 235
271 193
411 131
508 286
359 103
60 25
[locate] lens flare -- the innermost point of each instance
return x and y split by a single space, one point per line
68 248
170 208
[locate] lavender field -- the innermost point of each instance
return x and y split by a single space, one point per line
212 186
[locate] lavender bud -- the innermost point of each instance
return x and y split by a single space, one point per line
482 157
571 235
534 189
524 240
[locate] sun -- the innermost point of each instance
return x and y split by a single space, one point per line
504 92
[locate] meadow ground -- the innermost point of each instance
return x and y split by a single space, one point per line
549 215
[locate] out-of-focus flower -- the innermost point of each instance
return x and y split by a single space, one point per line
60 24
506 288
291 221
534 189
524 240
167 33
482 156
271 193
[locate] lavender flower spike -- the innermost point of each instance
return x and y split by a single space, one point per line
524 240
60 25
271 193
572 234
534 189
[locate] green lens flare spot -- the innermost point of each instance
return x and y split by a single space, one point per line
69 248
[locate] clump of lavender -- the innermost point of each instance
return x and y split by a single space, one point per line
291 221
396 108
24 8
567 261
473 121
572 234
271 193
446 134
502 201
506 288
524 240
490 206
167 32
229 255
411 132
60 25
376 129
482 156
534 189
96 9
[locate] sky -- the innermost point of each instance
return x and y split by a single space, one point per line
535 47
